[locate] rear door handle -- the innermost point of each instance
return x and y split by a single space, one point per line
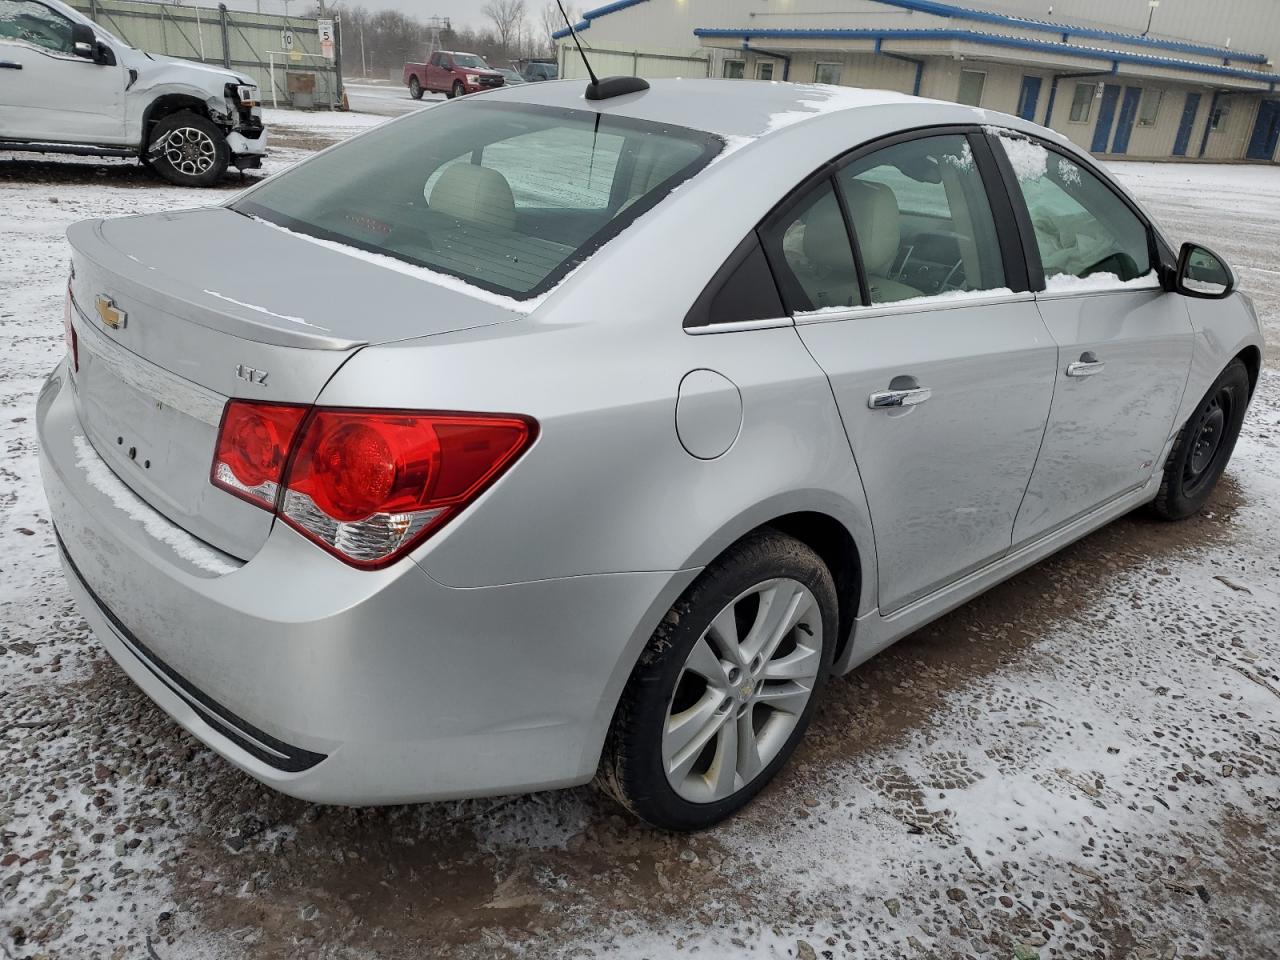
9 65
891 399
1087 366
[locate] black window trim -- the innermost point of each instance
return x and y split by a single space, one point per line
1162 256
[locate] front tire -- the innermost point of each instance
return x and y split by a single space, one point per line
1204 446
415 88
458 90
188 150
725 688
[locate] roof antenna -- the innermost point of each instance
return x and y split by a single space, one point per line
609 87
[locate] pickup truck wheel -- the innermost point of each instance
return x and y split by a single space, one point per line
188 150
415 88
458 89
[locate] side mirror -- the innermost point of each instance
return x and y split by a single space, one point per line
84 42
1203 274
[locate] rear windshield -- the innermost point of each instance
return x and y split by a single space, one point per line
509 197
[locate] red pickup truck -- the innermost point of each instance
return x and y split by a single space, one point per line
450 73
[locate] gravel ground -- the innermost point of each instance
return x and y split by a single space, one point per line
1084 762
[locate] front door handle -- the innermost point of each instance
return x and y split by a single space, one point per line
1087 366
9 65
892 399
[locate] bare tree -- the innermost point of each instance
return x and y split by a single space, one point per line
507 17
552 21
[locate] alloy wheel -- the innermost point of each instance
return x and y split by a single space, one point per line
189 151
743 688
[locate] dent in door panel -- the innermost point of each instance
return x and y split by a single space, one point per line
1106 432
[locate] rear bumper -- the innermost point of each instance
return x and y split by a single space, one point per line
338 685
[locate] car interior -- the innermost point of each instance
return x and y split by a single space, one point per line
924 227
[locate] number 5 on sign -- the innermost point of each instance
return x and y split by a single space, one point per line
325 29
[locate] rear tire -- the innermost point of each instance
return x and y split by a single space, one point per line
188 150
1204 446
725 688
458 90
415 88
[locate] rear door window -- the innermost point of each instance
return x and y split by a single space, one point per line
922 220
508 197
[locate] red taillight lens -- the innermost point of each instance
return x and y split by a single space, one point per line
69 329
367 485
253 447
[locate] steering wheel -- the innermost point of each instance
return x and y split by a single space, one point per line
949 282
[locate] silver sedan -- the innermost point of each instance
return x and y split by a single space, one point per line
530 439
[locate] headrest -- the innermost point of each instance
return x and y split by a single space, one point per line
877 221
474 193
826 242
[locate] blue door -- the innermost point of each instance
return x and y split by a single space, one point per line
1189 112
1128 114
1266 132
1106 117
1029 98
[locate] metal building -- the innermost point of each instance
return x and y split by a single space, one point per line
1146 79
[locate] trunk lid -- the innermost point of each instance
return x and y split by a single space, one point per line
208 305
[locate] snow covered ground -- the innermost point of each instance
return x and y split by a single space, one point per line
1085 762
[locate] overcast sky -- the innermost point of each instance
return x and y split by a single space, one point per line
461 12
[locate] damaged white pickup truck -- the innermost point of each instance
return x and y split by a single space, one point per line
69 86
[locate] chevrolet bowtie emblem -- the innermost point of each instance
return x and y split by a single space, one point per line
111 315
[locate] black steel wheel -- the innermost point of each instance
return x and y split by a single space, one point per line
1204 445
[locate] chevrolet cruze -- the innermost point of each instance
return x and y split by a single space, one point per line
539 438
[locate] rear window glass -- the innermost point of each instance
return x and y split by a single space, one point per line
507 197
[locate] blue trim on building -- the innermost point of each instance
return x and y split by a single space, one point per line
590 15
1066 30
995 40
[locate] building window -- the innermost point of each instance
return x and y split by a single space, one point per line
1220 113
826 73
734 69
1150 107
971 84
764 69
1082 103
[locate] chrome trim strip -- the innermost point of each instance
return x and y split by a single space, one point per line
173 391
740 326
1101 292
909 307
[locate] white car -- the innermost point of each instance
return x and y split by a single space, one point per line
69 86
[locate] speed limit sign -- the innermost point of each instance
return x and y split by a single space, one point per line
325 28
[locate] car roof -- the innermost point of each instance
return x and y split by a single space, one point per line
747 109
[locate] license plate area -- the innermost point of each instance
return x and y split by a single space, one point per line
157 432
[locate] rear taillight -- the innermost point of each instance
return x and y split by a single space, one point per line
69 329
367 485
253 447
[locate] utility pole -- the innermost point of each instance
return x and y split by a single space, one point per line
364 66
